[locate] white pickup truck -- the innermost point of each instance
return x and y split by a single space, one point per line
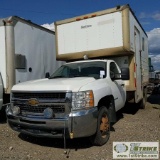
81 98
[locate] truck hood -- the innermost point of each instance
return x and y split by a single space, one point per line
58 84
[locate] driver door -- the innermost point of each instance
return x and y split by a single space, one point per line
1 92
118 87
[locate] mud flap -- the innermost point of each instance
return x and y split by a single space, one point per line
1 92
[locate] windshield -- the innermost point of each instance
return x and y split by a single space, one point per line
96 69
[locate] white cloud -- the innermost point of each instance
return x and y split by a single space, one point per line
154 41
154 47
155 61
143 15
155 15
145 23
49 26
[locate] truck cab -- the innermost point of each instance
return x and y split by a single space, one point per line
84 93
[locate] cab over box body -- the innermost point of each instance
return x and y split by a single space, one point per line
113 34
81 98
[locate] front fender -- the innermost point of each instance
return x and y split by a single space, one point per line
100 89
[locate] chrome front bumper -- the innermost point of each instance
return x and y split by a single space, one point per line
77 124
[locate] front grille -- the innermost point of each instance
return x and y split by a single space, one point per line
39 95
59 102
41 108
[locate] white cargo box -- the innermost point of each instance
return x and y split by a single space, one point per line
106 33
27 51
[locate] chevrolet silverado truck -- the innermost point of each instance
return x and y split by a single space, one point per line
80 99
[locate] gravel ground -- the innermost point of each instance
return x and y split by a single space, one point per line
133 125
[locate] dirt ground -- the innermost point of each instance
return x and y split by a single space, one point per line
133 124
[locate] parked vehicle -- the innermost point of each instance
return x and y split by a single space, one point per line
154 79
27 52
82 97
154 76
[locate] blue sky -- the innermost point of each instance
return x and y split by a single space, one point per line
48 11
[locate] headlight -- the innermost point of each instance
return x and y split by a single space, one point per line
83 99
15 109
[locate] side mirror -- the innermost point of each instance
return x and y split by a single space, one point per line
47 75
112 75
125 74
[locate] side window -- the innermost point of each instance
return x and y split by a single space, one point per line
114 72
113 68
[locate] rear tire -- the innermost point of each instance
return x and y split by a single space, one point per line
144 99
103 128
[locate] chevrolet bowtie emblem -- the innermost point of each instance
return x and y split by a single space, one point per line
33 102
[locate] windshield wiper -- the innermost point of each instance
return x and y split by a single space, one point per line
72 76
57 77
80 75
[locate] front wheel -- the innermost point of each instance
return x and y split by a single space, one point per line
103 128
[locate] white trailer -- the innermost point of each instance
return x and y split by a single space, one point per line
27 52
113 34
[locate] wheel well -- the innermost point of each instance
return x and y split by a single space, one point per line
107 101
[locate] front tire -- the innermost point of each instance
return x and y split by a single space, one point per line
103 128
